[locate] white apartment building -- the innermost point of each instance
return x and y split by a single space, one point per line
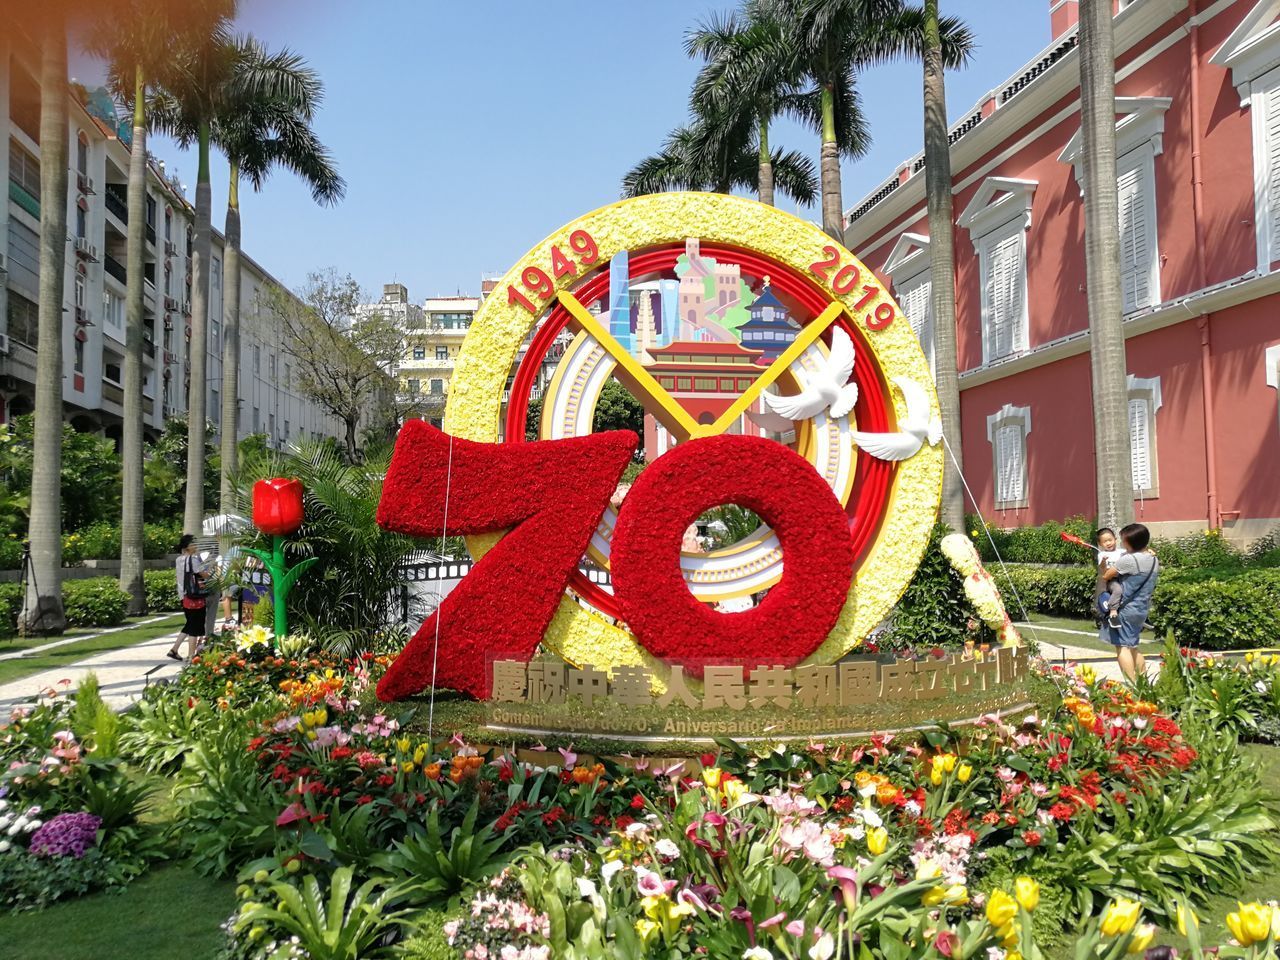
94 328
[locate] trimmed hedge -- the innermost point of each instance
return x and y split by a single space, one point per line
1222 608
94 603
10 607
162 591
98 541
1220 613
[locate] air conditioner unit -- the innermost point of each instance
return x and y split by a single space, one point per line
86 249
186 307
4 343
85 183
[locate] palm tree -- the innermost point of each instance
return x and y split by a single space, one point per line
684 163
748 76
193 88
135 42
937 185
833 39
42 603
267 124
1102 264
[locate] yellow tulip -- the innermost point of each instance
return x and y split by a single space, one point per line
1184 914
407 766
1248 657
647 929
948 762
1027 893
1251 923
711 777
877 841
928 870
934 896
1001 908
956 895
1012 955
733 790
1120 917
402 744
935 776
1142 938
964 773
1009 935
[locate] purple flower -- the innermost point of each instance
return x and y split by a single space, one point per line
66 835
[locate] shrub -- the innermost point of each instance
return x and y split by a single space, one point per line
1041 544
162 590
98 541
1054 591
934 610
10 553
160 539
98 602
1220 613
10 607
1203 549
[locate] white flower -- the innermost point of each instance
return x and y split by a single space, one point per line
870 817
610 869
667 849
756 953
4 846
824 948
586 889
33 826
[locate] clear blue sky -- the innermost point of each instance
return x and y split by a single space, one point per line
468 131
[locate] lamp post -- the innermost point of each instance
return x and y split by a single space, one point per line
278 511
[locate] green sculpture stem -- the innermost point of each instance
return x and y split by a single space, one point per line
282 580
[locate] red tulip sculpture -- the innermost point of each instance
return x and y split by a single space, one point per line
278 511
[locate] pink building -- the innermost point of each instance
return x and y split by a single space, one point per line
1198 174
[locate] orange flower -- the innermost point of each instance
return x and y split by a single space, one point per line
432 770
582 775
886 793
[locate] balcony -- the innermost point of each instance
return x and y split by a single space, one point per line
114 268
116 205
27 201
151 234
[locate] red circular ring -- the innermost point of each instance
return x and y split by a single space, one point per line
873 479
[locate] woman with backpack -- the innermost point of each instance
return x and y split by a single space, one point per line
194 595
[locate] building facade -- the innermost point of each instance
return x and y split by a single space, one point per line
96 272
1198 181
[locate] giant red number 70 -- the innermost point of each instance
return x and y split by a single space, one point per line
550 496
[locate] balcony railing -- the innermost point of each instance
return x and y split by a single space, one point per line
115 268
116 206
151 234
27 201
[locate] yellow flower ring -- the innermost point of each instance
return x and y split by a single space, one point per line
475 404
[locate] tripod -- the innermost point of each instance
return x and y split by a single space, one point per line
28 578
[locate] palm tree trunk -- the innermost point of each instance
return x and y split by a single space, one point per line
1102 264
229 427
42 604
193 514
765 188
937 181
832 207
131 563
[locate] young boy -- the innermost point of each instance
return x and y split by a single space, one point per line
1109 551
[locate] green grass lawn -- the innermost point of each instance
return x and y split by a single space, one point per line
71 652
169 912
1084 633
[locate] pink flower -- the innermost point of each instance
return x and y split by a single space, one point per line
570 758
649 883
795 928
773 921
291 814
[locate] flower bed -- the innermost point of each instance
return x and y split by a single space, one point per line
295 780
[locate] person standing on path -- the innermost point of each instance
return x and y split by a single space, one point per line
1138 572
190 582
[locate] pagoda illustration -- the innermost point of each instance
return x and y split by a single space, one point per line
770 329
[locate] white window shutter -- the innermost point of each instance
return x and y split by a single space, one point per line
1140 443
1009 457
917 306
1271 132
1136 246
1004 296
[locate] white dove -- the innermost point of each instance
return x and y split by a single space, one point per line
917 426
829 386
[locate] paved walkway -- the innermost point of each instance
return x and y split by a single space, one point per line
123 673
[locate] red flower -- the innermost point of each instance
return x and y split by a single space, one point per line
1121 796
1062 811
291 814
637 802
385 780
843 804
255 743
1032 838
991 818
1165 726
708 759
363 799
623 822
340 753
553 816
277 506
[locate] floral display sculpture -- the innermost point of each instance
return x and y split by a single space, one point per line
979 587
278 511
826 429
